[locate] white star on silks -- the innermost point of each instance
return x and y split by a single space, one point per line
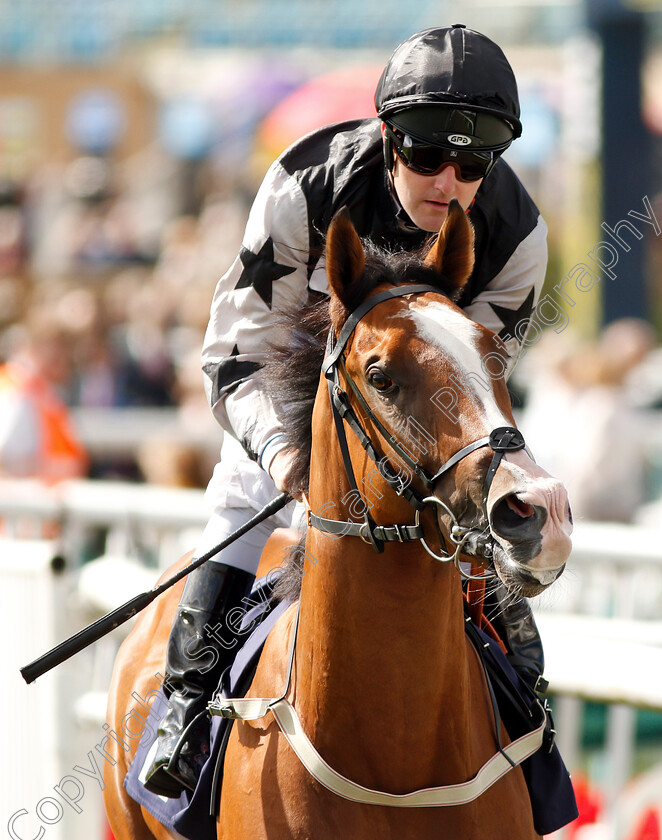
260 271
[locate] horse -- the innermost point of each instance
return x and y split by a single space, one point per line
412 465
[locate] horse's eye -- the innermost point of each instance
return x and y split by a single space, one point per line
380 381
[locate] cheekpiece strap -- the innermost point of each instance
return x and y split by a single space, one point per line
466 450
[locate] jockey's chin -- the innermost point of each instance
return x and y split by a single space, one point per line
425 198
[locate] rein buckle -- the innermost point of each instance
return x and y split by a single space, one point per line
226 712
399 532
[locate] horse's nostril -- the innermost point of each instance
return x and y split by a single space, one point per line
511 516
519 507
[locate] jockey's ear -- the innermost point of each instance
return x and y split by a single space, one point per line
452 254
345 261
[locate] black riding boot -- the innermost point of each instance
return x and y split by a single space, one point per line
515 624
201 646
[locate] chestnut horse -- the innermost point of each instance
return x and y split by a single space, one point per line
383 680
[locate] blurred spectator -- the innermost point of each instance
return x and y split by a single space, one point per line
95 378
580 422
644 383
37 438
14 299
629 347
171 464
145 368
13 234
86 223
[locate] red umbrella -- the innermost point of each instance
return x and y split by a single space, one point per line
342 95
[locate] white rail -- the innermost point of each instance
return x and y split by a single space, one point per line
41 792
602 636
600 623
123 431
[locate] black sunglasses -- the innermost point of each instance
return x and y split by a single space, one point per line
428 159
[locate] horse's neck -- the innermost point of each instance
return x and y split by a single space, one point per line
381 642
382 645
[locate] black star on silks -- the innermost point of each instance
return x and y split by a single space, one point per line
512 317
260 271
229 373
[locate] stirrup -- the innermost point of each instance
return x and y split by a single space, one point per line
167 779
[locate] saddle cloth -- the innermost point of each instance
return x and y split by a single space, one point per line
193 815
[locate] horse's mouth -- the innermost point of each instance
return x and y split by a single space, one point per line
510 544
520 579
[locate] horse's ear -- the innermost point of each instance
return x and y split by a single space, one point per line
345 261
453 251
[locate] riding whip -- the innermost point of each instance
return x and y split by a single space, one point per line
104 625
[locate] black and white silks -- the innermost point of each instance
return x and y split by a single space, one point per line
281 261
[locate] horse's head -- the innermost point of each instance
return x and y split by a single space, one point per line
429 385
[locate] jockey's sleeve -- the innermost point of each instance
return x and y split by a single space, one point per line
268 277
508 301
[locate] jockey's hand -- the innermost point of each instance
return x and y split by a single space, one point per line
280 470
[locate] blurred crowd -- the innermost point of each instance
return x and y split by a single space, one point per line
106 278
592 416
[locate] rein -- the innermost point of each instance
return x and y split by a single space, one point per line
501 440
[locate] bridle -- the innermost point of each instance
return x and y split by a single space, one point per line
501 440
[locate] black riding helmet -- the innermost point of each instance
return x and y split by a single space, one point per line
451 87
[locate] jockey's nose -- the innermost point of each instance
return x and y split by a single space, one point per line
445 180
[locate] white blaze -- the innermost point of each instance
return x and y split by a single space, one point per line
457 336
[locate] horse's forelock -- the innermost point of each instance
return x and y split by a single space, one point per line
397 269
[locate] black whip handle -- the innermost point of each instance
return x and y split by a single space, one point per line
104 625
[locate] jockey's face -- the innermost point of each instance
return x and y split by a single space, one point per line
425 198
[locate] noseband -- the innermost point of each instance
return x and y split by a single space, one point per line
500 440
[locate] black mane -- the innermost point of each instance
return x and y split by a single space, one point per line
291 375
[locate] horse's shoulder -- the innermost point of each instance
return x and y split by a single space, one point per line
140 660
271 674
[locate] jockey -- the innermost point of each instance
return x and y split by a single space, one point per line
447 107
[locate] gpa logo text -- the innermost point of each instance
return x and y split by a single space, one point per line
459 139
